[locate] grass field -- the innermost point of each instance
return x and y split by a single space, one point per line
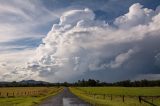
113 96
25 96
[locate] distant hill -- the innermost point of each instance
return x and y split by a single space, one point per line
25 83
32 82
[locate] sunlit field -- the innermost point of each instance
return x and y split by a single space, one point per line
119 96
25 96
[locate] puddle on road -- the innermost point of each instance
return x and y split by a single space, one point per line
72 102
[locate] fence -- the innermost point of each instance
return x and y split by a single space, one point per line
140 98
16 93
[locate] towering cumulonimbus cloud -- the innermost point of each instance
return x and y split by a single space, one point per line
80 44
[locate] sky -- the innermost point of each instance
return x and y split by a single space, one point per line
68 40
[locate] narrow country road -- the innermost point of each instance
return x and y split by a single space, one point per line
65 98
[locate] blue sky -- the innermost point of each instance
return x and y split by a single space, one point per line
24 26
33 19
29 20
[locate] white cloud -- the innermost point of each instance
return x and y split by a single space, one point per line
20 19
16 58
10 9
12 64
79 43
136 16
121 58
72 17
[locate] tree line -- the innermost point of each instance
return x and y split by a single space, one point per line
126 83
83 83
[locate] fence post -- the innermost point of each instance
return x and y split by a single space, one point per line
104 96
123 98
139 97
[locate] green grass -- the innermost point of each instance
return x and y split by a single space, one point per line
26 100
115 91
133 91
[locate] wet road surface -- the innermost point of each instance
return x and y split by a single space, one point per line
65 98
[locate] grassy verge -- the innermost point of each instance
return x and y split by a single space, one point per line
116 101
132 91
25 101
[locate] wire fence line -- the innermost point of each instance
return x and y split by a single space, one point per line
141 98
27 92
